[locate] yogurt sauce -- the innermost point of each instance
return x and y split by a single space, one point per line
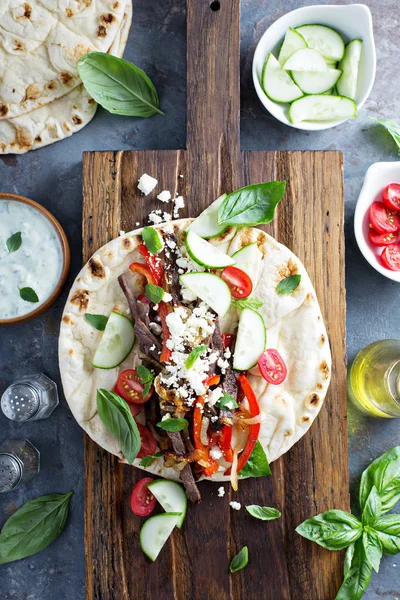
36 264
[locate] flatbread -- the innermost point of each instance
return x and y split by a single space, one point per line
294 327
40 43
61 118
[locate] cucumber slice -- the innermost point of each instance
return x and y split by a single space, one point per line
293 41
324 40
316 83
205 254
251 340
277 84
155 532
206 224
249 260
347 84
322 108
306 60
171 496
209 288
116 343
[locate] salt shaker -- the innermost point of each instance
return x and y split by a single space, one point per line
30 398
19 463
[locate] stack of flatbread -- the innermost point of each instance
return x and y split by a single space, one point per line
42 99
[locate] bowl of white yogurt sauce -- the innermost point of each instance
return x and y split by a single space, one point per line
34 259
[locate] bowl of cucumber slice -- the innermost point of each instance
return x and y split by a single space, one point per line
314 68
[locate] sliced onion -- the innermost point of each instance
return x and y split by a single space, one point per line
234 475
253 420
203 431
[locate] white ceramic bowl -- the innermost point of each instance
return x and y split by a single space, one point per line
378 176
351 21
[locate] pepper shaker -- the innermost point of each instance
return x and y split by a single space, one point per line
19 463
31 398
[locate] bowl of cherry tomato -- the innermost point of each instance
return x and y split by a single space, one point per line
377 219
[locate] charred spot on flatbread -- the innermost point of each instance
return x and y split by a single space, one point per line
52 85
66 127
27 11
324 370
126 243
32 92
313 400
320 386
322 338
305 419
288 269
107 18
19 46
96 268
3 110
66 78
288 433
222 236
81 299
67 320
77 120
101 31
23 139
115 5
38 139
310 297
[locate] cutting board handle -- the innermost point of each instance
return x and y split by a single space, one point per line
213 71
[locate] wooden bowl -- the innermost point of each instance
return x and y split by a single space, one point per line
66 256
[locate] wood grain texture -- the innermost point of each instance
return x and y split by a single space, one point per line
313 476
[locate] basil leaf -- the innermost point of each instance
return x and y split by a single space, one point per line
384 474
117 417
373 508
14 242
372 548
387 529
194 355
334 529
348 558
257 465
33 527
227 402
28 294
97 321
240 561
289 284
146 461
253 303
118 85
146 378
154 293
392 128
173 424
358 575
251 205
265 513
152 240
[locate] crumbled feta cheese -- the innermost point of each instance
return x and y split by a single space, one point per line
137 223
221 491
164 196
235 505
213 396
214 419
153 347
223 365
155 218
181 271
167 297
147 184
170 243
227 353
155 328
122 232
166 416
178 204
181 176
167 217
215 453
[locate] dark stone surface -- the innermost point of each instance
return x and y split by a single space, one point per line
52 176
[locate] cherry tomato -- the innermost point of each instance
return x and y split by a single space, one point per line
238 281
142 500
382 219
130 389
391 257
382 239
149 444
272 367
227 340
391 196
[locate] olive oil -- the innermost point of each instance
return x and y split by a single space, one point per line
374 379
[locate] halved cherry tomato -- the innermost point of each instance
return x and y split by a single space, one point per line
130 388
391 196
228 340
142 500
272 367
382 239
134 408
163 311
382 219
238 281
391 257
142 270
149 444
154 264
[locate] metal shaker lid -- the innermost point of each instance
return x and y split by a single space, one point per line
10 472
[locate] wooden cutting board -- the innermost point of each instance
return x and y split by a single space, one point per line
313 476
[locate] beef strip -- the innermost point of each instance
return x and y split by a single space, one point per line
217 345
229 386
186 475
171 275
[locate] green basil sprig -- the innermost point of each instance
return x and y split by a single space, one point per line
154 293
117 417
240 560
14 242
366 540
118 85
33 527
251 205
264 513
288 284
257 465
152 240
146 378
146 461
253 303
227 402
392 128
173 424
194 355
28 294
97 321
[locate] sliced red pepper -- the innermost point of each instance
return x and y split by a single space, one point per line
225 443
212 466
154 264
163 311
228 340
254 430
142 270
213 380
